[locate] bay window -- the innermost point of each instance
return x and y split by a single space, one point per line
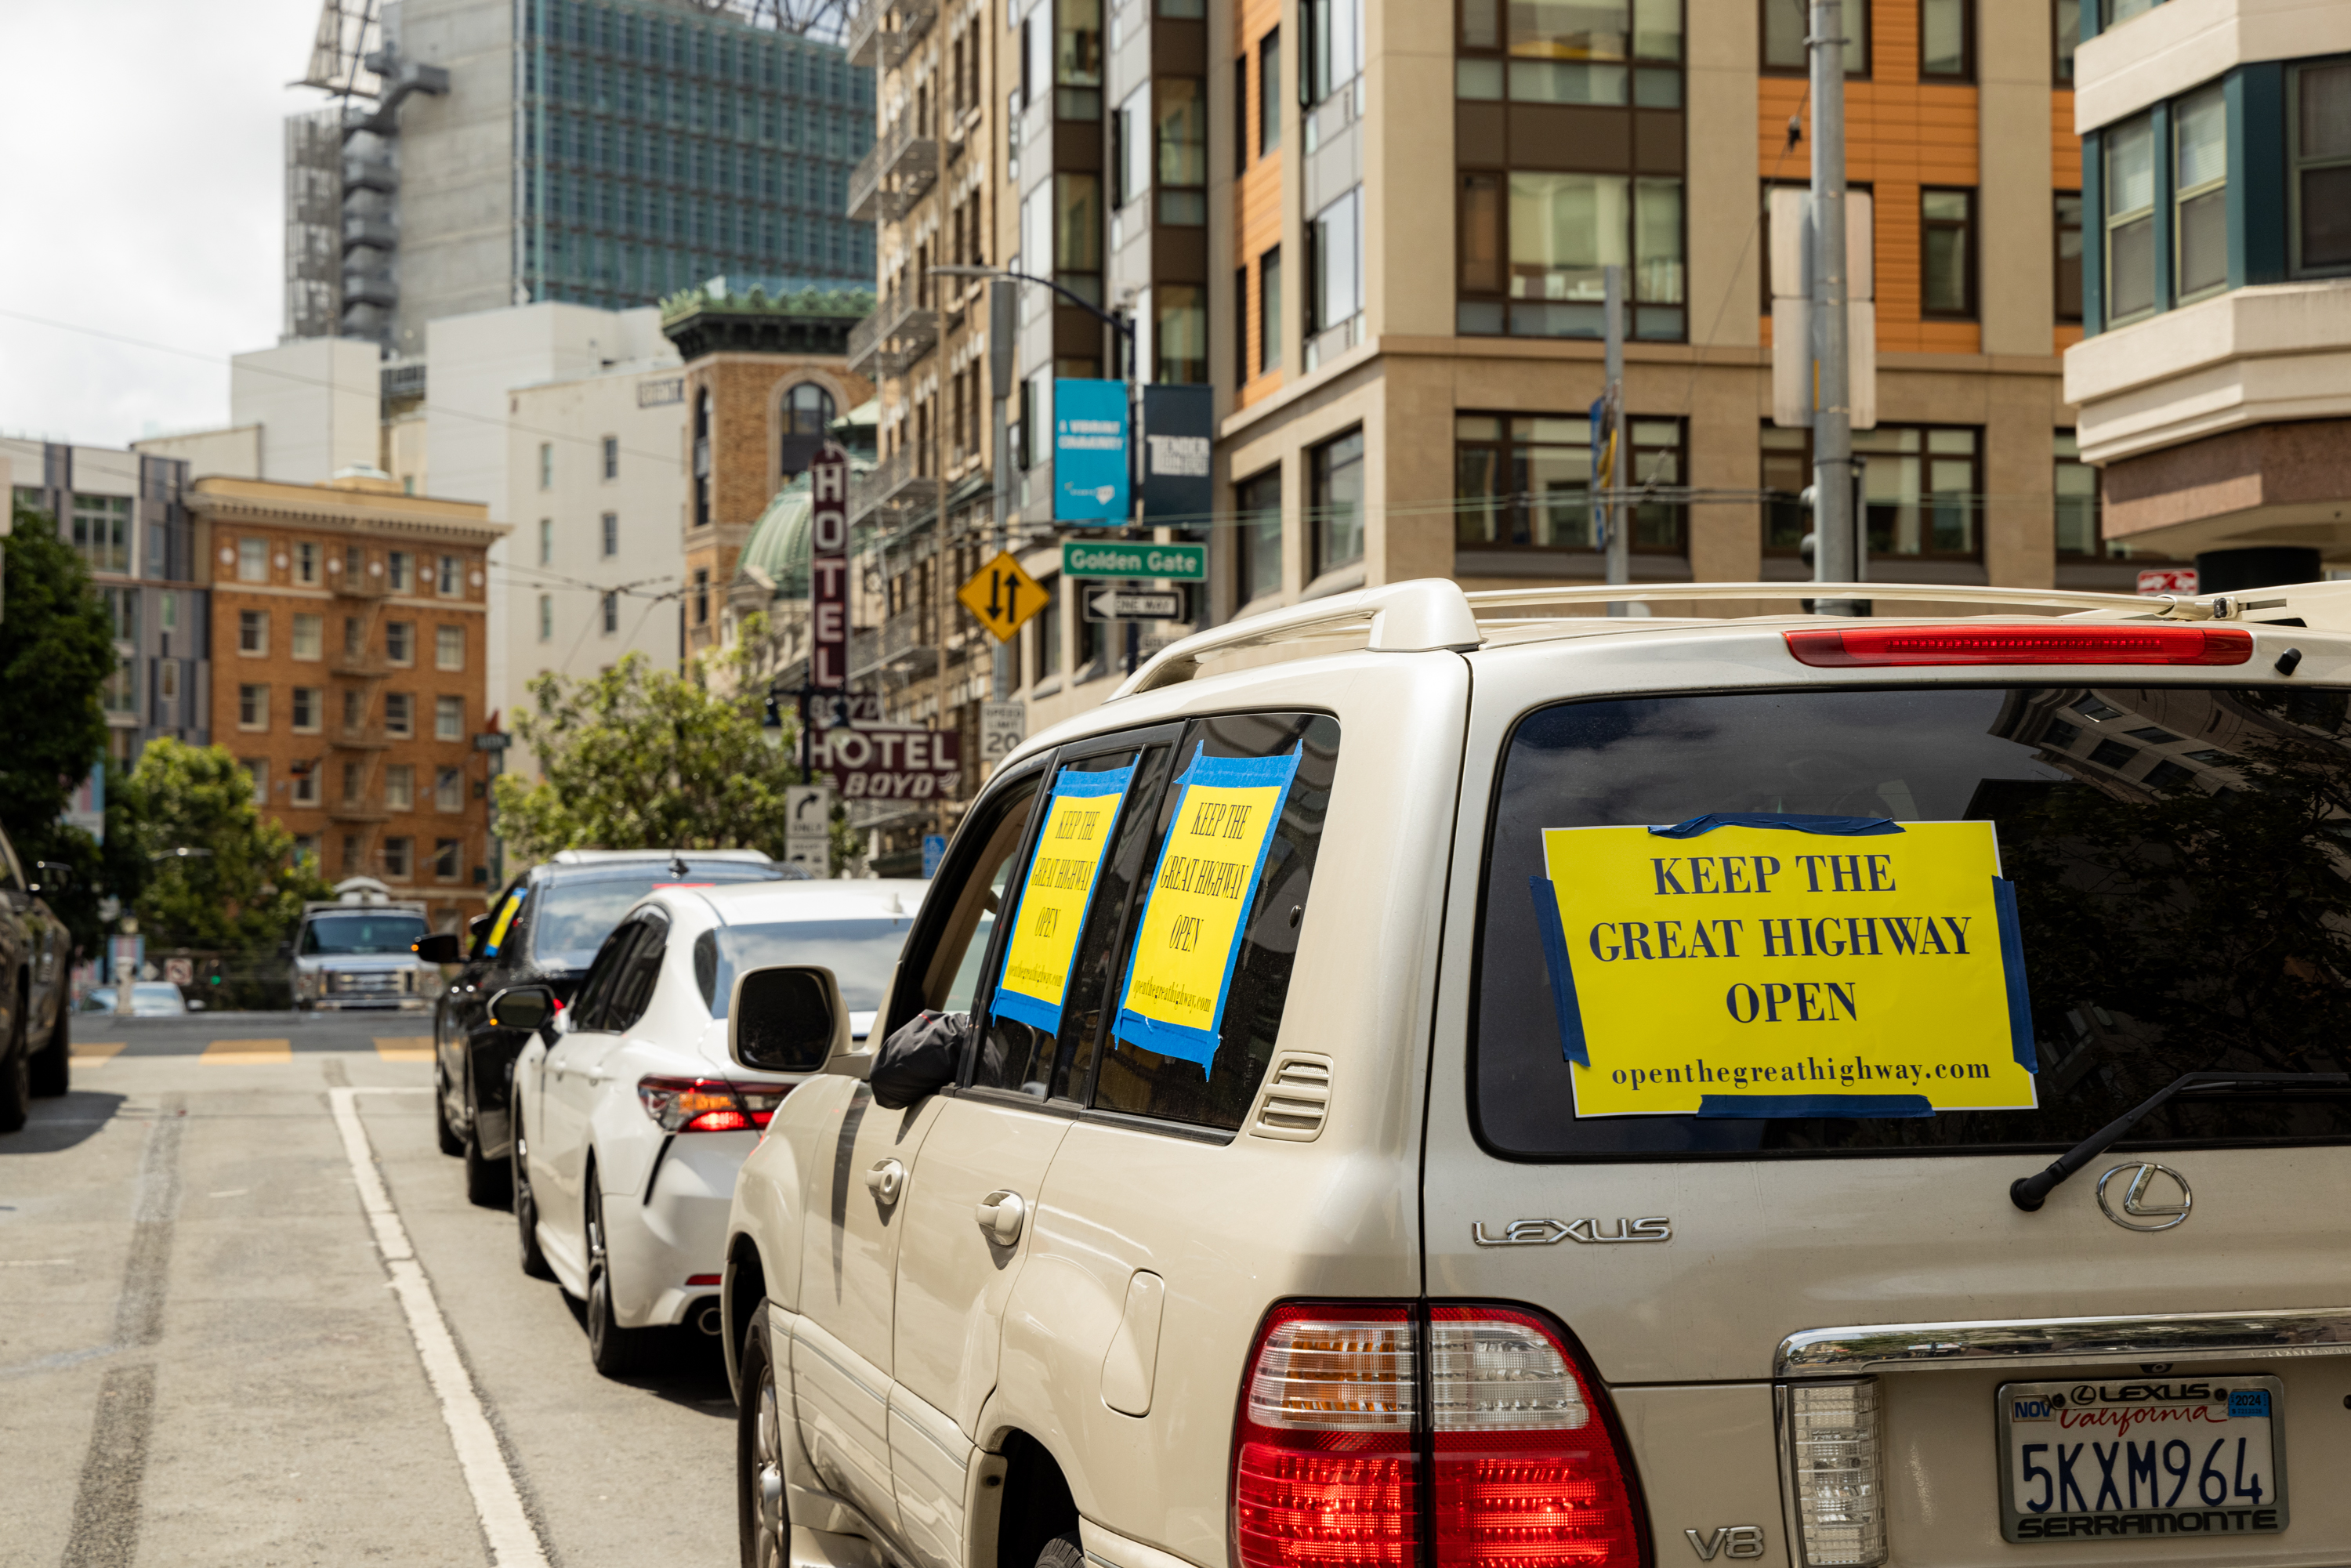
2200 183
2130 219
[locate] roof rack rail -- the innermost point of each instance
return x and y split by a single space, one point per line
1429 615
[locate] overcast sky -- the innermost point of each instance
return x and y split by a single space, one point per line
142 160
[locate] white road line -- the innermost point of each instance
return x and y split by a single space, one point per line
514 1544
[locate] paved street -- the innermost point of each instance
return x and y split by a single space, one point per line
213 1351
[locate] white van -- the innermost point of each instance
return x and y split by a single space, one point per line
1455 1079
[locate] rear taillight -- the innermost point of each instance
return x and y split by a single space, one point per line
2035 644
709 1104
1513 1465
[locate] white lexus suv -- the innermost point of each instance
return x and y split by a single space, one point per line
1427 1080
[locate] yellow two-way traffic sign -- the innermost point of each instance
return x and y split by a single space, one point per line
1003 596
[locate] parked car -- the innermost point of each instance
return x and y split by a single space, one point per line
629 1121
149 1000
1499 1085
357 951
36 961
544 929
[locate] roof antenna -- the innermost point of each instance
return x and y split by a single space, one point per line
677 866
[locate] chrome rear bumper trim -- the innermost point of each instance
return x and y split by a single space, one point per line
2175 1336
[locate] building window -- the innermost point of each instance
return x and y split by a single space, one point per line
252 555
253 631
1179 332
1787 473
2077 499
120 694
395 858
309 709
545 616
448 647
306 789
1786 23
1241 319
1543 249
354 710
1268 310
808 415
1077 234
1078 60
1333 55
309 636
546 542
702 596
453 577
399 569
449 718
2065 21
1268 93
1048 623
610 538
2069 256
350 840
449 789
2130 219
1182 135
1524 481
400 715
1334 275
611 445
701 457
1947 254
611 613
306 562
258 768
1336 502
547 466
1946 39
1240 115
253 708
445 854
1257 538
400 788
399 642
1922 491
1612 52
167 685
2321 151
2199 182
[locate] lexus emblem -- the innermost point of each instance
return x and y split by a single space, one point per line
2148 1197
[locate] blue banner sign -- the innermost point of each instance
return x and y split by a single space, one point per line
1090 461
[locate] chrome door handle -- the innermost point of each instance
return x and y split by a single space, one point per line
1000 1215
885 1181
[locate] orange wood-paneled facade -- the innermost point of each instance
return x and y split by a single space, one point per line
1257 194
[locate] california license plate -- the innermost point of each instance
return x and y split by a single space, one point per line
2142 1457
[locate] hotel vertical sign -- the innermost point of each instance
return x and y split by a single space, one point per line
828 570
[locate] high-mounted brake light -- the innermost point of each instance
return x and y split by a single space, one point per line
1335 1453
708 1105
2033 645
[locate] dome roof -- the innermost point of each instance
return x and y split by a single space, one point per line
778 546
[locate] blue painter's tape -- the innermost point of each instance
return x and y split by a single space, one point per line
1199 1045
1022 1008
2012 964
1035 1012
1562 977
1874 1106
1845 827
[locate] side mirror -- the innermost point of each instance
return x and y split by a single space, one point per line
788 1018
442 947
55 876
522 1007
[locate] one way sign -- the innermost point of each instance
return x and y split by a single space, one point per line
1136 604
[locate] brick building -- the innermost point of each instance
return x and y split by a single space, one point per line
764 378
348 673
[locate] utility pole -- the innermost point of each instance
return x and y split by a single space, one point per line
1835 550
1616 513
1003 328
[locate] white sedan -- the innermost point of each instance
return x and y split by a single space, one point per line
631 1121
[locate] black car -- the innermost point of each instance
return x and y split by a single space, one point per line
544 929
35 960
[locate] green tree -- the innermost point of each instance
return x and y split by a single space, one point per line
643 759
56 649
244 896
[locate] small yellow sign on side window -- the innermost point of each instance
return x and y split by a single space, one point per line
1003 596
1739 970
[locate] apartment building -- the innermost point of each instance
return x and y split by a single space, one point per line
2215 381
125 514
348 673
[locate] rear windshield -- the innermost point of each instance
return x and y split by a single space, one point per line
2177 856
860 953
339 936
575 914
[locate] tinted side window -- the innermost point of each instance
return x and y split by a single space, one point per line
633 988
594 1003
940 968
1150 1083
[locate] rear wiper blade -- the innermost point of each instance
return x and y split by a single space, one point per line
2029 1193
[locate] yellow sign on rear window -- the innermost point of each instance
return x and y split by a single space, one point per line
1762 966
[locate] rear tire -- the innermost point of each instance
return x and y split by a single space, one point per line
761 1511
612 1349
525 1208
53 1066
442 1133
1062 1551
15 1073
